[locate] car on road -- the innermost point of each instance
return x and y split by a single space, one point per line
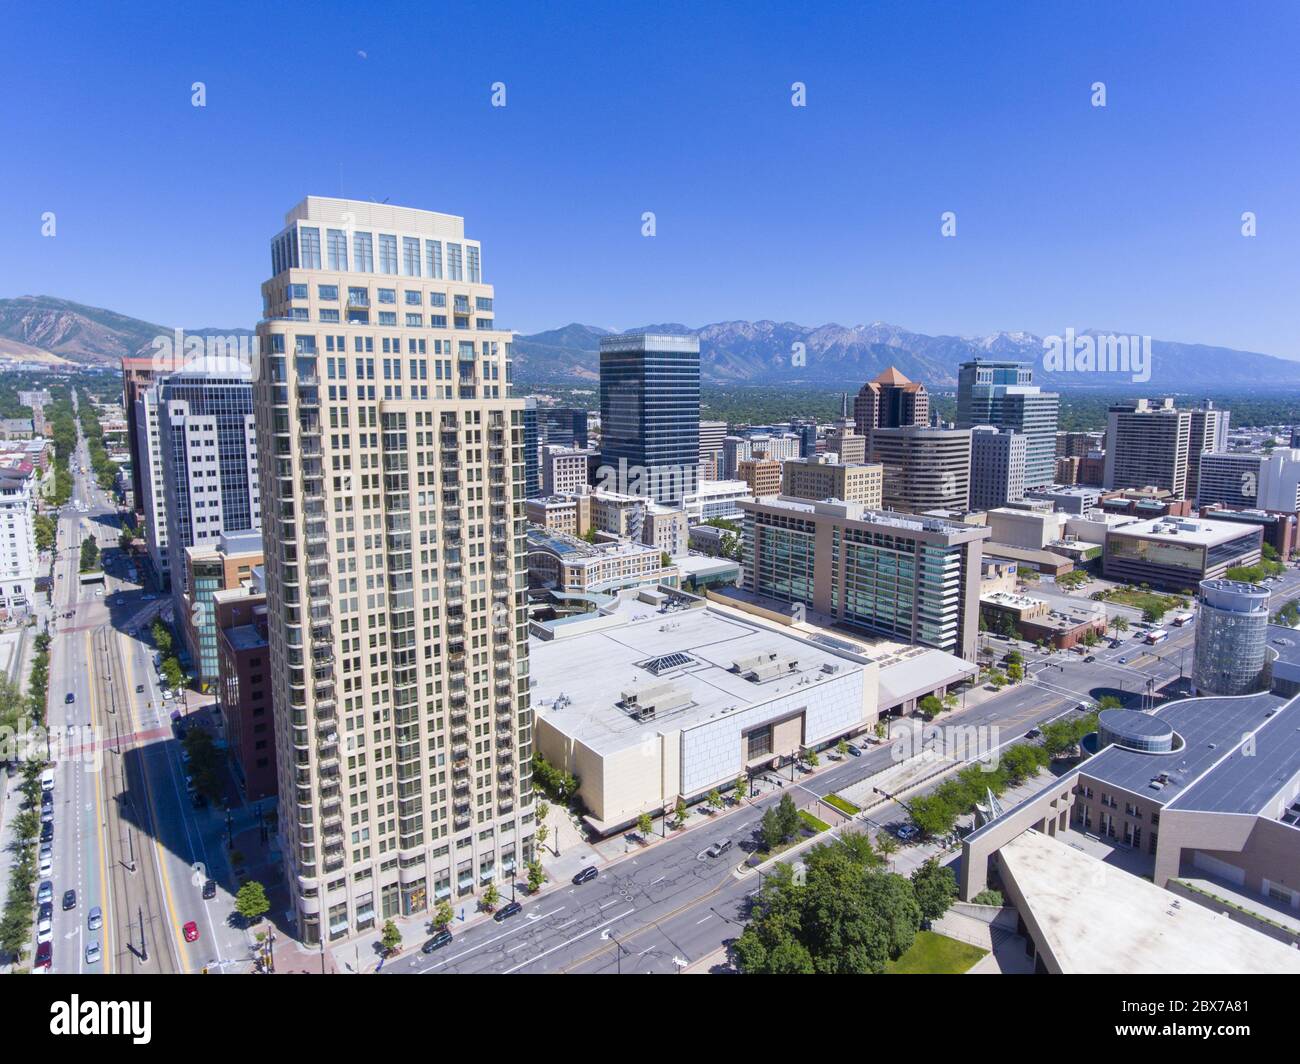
69 900
69 698
1032 733
1090 659
906 832
46 892
47 851
47 780
139 688
44 955
95 919
47 814
46 866
719 848
45 934
47 831
45 917
93 953
586 875
209 889
506 911
442 938
1123 661
855 750
191 931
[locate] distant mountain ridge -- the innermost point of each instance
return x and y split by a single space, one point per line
732 353
742 353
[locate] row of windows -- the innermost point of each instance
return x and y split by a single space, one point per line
360 296
302 248
389 318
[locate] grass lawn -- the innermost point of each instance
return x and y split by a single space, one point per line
935 954
842 804
1142 600
812 821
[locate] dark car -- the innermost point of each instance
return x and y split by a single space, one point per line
69 698
44 955
586 875
507 911
200 800
855 750
439 940
139 688
209 889
1032 733
47 831
47 910
69 900
1090 659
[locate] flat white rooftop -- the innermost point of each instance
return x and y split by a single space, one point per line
1098 920
1194 531
695 650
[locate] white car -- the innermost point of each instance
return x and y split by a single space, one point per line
47 866
44 923
45 934
92 953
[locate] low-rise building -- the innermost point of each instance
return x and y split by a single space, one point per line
763 475
716 498
662 697
1177 553
563 563
1034 619
570 514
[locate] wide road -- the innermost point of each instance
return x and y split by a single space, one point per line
127 839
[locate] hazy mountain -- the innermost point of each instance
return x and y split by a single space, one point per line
733 353
41 328
836 356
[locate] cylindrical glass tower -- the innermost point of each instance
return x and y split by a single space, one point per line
1231 637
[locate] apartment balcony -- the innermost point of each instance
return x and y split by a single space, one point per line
460 753
326 726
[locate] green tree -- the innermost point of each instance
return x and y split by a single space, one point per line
741 788
542 834
390 938
536 876
932 815
162 637
1015 672
89 555
490 897
443 914
251 901
644 824
842 748
679 810
45 531
714 799
811 758
935 888
931 706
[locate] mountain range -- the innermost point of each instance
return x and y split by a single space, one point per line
732 353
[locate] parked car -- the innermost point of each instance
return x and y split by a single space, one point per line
44 955
95 919
906 832
855 750
719 848
47 830
586 875
69 900
507 911
46 892
47 780
442 938
46 866
191 931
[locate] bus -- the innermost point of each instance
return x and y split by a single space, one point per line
1157 635
1181 619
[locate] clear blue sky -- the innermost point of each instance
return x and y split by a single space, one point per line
1123 218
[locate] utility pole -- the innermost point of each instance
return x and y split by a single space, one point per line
144 945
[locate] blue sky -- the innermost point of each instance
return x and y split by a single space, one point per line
1125 217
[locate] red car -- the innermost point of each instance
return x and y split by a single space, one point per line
191 932
44 955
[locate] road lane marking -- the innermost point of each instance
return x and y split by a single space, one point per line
488 942
568 942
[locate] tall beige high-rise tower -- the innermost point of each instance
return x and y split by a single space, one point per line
392 477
